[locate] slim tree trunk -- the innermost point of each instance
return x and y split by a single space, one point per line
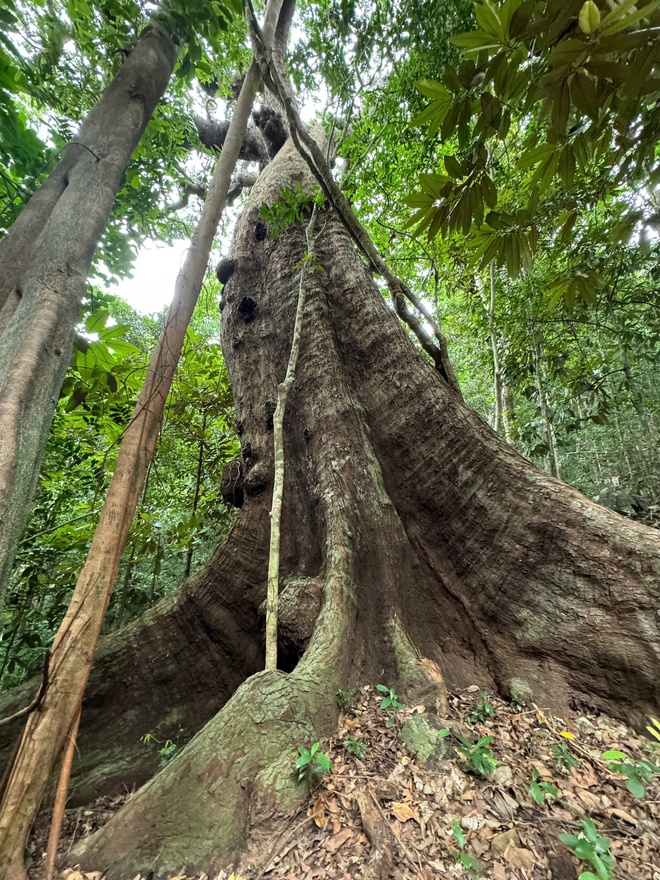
551 437
44 263
497 380
508 414
75 643
648 447
279 455
394 488
198 483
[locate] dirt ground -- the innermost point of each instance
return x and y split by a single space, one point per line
411 795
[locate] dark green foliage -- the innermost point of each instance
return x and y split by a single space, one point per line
311 763
478 757
355 747
166 748
470 865
390 702
346 699
56 59
538 94
592 848
482 709
292 206
564 758
539 788
98 396
639 773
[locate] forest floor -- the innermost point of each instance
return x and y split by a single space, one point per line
422 797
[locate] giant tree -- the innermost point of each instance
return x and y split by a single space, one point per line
416 546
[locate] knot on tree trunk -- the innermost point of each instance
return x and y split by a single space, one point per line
231 484
273 127
299 604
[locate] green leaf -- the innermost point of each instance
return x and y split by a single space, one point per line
583 93
433 90
324 764
589 17
488 20
96 321
590 830
453 167
636 787
458 833
584 850
533 156
561 108
614 755
474 40
537 793
619 19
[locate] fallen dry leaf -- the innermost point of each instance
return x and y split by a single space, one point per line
617 813
318 813
541 769
501 841
503 776
499 871
519 858
403 812
472 823
590 800
338 839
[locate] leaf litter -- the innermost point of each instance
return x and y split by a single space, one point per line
440 818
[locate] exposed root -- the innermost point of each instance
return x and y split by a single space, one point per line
419 677
242 761
380 835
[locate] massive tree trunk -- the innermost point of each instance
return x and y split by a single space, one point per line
44 263
410 533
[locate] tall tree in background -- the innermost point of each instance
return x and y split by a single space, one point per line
44 264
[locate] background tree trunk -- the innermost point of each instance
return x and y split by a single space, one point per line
410 531
44 263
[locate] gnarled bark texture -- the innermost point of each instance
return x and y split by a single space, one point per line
410 531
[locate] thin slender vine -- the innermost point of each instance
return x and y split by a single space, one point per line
272 596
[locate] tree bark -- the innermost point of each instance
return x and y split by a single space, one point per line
44 263
410 530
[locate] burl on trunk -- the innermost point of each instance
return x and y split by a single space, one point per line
415 544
